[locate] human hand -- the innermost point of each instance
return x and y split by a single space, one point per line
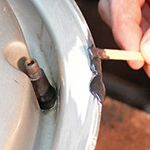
130 23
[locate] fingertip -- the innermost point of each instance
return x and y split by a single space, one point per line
147 69
127 34
101 8
104 11
145 47
145 50
136 65
128 38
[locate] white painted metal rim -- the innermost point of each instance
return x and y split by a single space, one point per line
77 115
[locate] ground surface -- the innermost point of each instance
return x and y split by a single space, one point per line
123 127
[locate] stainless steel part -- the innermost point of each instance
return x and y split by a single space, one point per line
56 35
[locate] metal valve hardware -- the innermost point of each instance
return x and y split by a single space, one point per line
45 93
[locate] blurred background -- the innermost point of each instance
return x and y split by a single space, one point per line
122 83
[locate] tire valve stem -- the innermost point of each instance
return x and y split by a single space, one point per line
45 93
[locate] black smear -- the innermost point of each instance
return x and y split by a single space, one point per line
97 87
95 66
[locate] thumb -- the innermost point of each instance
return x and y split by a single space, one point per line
145 46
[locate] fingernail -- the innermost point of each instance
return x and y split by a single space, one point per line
145 50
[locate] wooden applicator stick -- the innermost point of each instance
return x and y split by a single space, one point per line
112 54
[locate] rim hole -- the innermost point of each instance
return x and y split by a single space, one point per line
30 62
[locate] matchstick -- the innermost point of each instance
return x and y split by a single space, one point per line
113 54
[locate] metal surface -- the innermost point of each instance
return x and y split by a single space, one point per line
19 113
57 36
45 93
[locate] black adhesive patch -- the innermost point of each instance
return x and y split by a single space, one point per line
97 87
96 66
